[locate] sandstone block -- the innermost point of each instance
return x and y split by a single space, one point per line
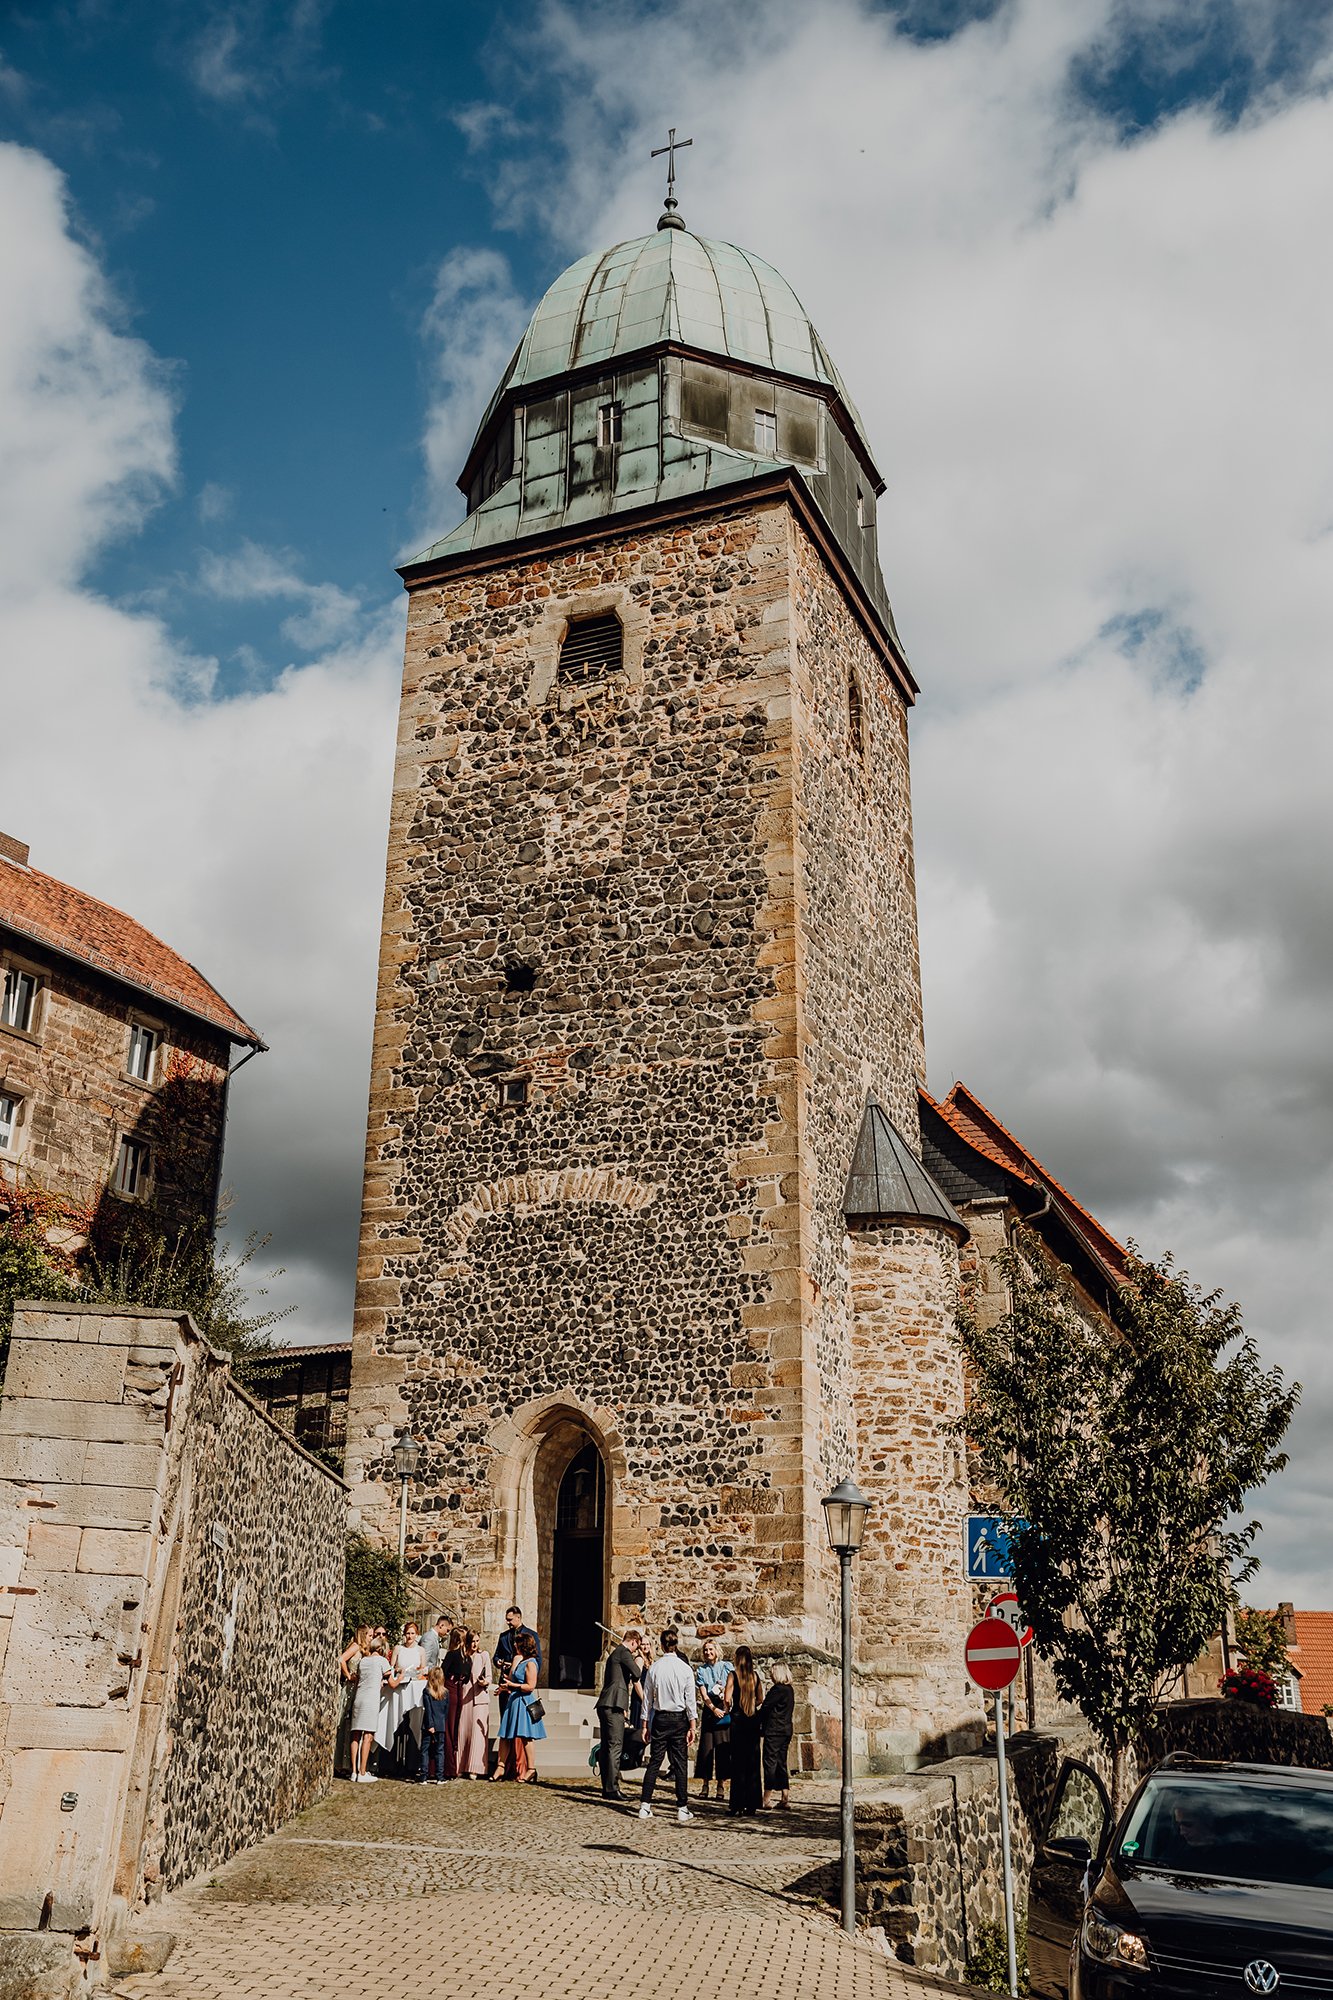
113 1552
62 1369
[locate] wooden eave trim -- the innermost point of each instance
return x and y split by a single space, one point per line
596 371
171 1002
784 485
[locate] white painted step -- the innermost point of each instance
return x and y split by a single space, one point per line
571 1731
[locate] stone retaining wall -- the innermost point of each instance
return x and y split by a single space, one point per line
170 1615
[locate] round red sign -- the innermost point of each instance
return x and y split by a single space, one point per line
1005 1606
992 1654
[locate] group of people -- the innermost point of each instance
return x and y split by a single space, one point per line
429 1700
743 1729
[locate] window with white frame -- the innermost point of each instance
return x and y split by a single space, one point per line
9 1122
141 1062
19 1003
1289 1692
608 425
131 1175
766 431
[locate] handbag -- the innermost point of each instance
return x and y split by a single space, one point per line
535 1711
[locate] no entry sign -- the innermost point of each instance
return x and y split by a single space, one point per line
992 1654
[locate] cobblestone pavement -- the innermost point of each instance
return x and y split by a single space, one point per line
513 1889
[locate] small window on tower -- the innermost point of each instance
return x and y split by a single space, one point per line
608 425
593 647
855 717
766 432
860 508
513 1093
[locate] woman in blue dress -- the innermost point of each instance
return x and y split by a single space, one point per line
519 1725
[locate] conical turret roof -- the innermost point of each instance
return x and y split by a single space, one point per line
888 1183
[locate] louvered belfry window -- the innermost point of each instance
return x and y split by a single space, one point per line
593 647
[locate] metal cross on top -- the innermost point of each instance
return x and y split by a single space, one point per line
669 218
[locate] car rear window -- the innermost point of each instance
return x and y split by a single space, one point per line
1223 1826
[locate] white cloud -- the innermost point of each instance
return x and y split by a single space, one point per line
471 328
1096 374
251 574
214 502
248 832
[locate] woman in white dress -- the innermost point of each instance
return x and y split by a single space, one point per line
372 1668
407 1687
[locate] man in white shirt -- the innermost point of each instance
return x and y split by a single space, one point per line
669 1712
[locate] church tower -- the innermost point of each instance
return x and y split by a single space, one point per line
643 1122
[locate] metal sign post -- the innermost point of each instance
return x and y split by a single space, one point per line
1004 1848
992 1654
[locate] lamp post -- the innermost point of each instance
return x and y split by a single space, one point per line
845 1512
406 1458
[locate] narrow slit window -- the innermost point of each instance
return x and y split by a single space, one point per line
608 425
131 1177
855 717
860 508
142 1058
9 1123
593 647
766 432
20 999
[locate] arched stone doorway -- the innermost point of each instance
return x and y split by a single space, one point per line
578 1570
558 1480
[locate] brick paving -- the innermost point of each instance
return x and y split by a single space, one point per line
382 1888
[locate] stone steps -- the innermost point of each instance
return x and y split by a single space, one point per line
571 1731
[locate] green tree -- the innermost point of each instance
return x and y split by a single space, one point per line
1129 1449
375 1587
1262 1639
186 1273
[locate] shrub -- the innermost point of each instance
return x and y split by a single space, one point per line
375 1588
988 1961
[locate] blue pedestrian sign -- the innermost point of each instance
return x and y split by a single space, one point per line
986 1548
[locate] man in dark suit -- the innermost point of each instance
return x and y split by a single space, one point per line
624 1670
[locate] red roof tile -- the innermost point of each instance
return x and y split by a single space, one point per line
1313 1654
50 913
983 1131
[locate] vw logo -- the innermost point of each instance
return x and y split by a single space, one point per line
1261 1977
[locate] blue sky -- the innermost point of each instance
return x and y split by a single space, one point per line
271 188
267 260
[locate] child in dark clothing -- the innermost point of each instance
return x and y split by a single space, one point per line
434 1725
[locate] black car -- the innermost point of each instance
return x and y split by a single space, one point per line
1217 1884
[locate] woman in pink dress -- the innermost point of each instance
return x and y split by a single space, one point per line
474 1718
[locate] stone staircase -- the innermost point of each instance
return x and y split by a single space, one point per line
571 1731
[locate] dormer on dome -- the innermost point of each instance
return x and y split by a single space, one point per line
666 366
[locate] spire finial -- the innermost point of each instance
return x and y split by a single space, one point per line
669 219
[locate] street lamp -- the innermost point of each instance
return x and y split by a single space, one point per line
406 1458
845 1512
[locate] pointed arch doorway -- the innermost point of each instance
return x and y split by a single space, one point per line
578 1570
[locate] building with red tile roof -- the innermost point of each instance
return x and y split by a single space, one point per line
50 914
115 1055
1310 1651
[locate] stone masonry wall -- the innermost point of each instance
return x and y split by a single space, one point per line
170 1613
858 982
78 1101
624 1250
254 1698
915 1608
